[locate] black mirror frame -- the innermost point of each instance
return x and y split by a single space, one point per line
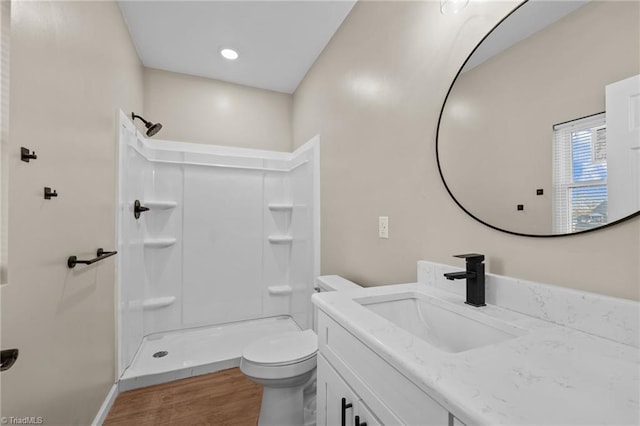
444 182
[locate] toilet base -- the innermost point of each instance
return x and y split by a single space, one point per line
309 398
285 366
282 407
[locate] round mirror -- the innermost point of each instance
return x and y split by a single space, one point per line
539 134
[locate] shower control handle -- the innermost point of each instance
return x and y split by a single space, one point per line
343 416
138 208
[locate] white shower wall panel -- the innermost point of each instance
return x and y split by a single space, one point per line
302 247
305 229
222 245
137 172
164 265
276 257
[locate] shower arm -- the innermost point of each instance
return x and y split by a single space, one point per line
134 116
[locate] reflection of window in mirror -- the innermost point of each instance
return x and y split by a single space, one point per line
580 174
5 20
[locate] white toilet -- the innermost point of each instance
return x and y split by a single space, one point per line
283 364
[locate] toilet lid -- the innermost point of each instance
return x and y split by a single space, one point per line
286 348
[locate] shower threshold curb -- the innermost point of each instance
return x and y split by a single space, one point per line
131 383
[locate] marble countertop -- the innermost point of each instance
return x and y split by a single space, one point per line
551 375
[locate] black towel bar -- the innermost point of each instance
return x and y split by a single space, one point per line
72 261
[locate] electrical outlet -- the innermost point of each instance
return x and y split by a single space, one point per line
383 227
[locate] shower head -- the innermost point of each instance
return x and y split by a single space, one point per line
152 128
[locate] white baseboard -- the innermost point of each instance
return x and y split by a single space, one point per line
106 406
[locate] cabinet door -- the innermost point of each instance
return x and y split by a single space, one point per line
331 390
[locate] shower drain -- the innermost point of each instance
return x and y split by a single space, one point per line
160 354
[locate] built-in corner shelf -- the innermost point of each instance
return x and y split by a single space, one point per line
279 290
280 207
158 302
159 242
159 205
280 239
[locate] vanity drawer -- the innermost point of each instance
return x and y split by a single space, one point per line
380 386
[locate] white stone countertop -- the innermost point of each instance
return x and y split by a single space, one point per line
551 375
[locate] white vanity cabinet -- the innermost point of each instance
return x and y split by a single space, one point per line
340 404
377 392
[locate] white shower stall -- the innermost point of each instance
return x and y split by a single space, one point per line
227 252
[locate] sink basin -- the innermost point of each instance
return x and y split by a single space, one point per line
441 324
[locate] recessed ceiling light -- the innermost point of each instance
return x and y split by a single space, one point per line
230 54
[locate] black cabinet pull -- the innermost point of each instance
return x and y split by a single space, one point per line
343 417
358 422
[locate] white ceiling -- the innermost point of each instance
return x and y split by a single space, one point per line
278 41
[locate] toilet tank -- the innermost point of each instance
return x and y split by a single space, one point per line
334 283
330 283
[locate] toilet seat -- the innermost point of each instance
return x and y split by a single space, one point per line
281 357
282 349
280 375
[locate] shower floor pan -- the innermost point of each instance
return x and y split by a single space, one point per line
196 351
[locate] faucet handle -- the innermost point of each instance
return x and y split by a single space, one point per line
471 257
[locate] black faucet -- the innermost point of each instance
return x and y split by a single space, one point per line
474 276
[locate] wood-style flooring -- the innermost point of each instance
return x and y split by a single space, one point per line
222 398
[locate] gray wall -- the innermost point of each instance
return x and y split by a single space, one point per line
202 110
73 66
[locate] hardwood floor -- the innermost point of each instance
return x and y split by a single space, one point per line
222 398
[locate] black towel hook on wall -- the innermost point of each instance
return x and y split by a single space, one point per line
26 154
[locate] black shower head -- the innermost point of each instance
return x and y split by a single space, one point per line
152 128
